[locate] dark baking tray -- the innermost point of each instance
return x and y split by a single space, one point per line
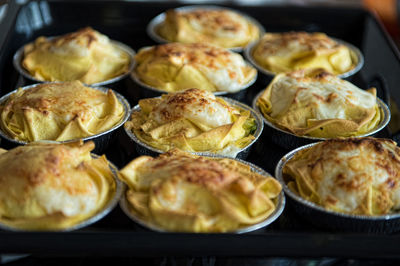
290 235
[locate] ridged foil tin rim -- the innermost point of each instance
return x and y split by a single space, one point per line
254 114
278 174
356 55
137 79
280 205
151 28
382 124
120 98
19 54
107 208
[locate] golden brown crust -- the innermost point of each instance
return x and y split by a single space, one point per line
221 27
289 51
192 120
178 191
59 111
175 67
356 175
273 42
51 186
84 55
316 103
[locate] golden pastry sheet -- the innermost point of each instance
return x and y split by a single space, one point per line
181 192
355 176
84 55
289 51
59 111
220 27
316 103
193 120
52 186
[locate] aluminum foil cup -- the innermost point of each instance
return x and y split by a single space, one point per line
145 149
356 56
107 208
101 140
320 217
290 141
280 205
152 27
19 55
147 91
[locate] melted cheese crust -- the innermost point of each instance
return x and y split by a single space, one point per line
52 186
318 104
223 28
59 111
356 176
193 120
84 55
182 192
174 67
289 51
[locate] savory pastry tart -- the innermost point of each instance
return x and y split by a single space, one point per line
174 67
318 104
84 55
59 111
181 192
218 26
53 186
289 51
355 176
193 120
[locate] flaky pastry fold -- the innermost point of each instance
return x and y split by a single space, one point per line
181 192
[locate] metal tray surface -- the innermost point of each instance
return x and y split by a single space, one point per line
116 234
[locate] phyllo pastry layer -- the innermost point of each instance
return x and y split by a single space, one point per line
220 27
174 67
316 103
355 176
59 111
288 51
52 186
193 120
84 55
178 191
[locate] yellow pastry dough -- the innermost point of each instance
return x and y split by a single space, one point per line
193 120
84 55
181 192
220 27
59 111
174 67
355 176
316 103
52 186
285 52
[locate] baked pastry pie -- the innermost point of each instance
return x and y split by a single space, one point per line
47 186
318 104
218 26
84 55
355 176
59 111
175 66
181 192
193 120
289 51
